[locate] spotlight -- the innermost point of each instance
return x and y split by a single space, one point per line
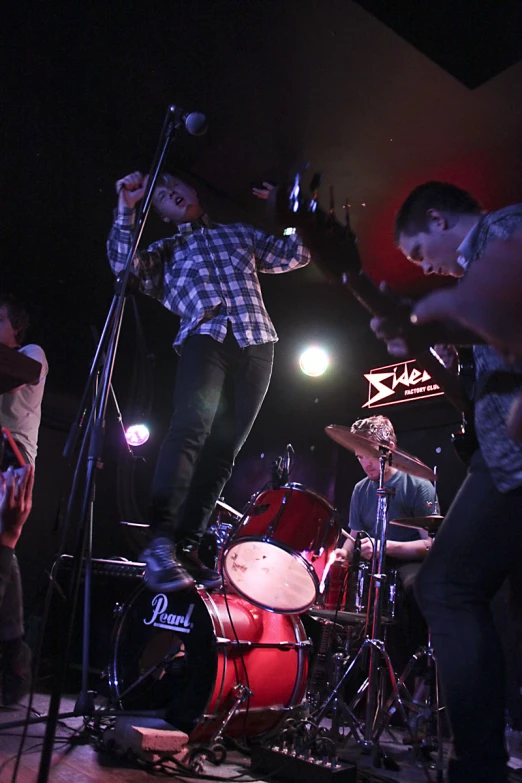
314 361
137 434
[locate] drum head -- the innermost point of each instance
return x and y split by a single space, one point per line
270 576
168 640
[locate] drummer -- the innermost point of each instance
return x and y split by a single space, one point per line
411 496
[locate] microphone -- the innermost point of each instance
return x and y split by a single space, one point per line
288 461
195 122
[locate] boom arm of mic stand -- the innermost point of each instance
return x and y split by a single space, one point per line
113 322
96 429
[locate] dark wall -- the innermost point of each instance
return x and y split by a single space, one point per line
283 84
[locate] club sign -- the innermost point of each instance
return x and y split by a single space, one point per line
396 383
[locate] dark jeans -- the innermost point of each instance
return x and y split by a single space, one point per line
11 608
477 547
218 393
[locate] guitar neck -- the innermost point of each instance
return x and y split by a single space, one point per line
379 304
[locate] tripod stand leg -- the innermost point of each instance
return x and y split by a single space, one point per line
440 747
338 701
401 685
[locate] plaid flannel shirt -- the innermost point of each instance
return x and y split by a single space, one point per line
497 381
208 275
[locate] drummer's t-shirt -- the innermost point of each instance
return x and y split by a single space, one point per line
411 497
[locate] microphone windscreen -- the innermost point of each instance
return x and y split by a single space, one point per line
196 123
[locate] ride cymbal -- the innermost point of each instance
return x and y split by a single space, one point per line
369 448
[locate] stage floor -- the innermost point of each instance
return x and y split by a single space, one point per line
81 761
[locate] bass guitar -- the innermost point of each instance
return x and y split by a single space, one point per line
385 304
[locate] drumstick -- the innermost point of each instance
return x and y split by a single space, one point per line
231 511
331 560
347 535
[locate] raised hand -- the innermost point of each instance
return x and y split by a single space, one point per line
276 202
264 193
131 189
16 493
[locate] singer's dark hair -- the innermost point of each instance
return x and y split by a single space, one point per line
167 178
376 428
17 315
412 218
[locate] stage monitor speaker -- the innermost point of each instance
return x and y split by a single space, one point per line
113 583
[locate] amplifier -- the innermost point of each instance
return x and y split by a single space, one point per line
121 567
113 583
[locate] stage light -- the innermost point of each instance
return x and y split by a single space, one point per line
314 361
137 434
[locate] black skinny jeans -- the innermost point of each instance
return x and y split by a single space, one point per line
477 547
218 393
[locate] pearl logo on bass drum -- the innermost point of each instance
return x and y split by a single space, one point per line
161 618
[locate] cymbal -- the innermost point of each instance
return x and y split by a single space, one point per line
370 448
431 523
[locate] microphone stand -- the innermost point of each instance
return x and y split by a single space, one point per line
94 431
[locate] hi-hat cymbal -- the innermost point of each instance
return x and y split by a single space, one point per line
431 524
369 448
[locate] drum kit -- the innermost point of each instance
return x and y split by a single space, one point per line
235 661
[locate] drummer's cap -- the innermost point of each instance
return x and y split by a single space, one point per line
376 428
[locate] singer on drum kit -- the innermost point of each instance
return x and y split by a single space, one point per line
207 274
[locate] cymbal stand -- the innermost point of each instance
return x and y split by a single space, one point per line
374 645
340 710
423 711
328 671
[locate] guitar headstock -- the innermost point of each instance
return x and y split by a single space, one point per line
353 258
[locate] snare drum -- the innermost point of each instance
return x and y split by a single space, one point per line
347 590
358 591
334 594
280 550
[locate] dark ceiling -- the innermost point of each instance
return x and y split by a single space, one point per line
283 83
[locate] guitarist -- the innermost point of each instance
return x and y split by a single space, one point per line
443 229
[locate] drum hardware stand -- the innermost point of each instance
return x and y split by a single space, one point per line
431 707
92 444
165 660
374 645
330 666
423 712
339 707
215 747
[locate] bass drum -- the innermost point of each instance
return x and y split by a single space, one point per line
185 653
